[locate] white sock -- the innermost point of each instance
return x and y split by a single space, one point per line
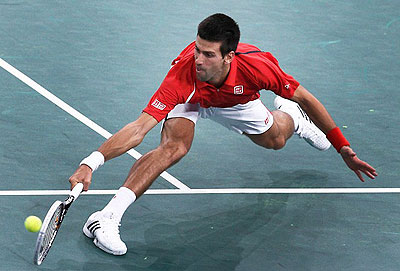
120 202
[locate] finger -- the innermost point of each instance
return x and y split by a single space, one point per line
373 172
371 175
73 183
369 168
86 186
369 171
359 175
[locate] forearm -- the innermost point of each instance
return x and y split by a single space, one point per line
320 116
128 137
122 141
318 113
314 109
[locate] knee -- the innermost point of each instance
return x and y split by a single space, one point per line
275 143
278 144
174 150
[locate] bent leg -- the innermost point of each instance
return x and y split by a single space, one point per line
276 136
176 140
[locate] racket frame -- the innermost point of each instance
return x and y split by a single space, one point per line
39 255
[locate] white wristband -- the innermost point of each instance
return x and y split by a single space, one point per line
94 160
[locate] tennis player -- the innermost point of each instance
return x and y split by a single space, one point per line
215 77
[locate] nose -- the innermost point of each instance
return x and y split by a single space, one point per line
198 59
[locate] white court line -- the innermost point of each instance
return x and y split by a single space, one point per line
214 191
67 108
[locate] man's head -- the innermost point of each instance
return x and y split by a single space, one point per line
220 28
216 43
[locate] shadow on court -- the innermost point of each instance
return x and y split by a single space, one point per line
218 241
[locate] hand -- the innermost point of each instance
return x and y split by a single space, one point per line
357 165
82 175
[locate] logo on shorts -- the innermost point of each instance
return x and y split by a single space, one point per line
238 90
287 86
159 105
266 120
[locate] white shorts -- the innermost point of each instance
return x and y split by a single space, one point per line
250 118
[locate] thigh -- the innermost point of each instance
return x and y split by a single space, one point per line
278 134
270 139
178 131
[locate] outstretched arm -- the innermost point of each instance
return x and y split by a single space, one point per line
125 139
128 137
320 116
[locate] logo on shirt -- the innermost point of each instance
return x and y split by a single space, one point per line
287 86
238 90
159 105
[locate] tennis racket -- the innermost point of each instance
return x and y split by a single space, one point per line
52 223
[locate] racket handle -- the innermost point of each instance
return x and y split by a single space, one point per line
77 190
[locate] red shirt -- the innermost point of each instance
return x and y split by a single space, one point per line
251 71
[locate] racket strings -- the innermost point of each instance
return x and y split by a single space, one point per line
51 231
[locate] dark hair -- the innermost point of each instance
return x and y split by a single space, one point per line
220 27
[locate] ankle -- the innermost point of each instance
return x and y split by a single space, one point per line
120 203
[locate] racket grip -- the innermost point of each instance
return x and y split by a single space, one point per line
77 190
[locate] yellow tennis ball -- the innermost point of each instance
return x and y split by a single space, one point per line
33 223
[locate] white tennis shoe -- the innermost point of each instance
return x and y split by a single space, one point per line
104 229
306 128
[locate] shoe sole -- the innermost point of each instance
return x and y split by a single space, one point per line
315 146
99 245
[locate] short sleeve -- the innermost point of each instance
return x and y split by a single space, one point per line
272 77
175 89
163 100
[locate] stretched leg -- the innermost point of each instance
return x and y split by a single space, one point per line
102 226
276 136
176 140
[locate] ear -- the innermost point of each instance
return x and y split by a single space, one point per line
228 58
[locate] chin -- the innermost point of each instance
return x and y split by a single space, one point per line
202 79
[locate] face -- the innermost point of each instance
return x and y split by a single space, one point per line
211 67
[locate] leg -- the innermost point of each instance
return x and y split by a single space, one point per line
255 121
268 129
304 127
102 226
176 140
276 136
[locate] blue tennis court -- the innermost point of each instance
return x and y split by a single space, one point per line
73 73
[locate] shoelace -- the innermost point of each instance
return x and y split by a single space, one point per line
304 115
111 225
